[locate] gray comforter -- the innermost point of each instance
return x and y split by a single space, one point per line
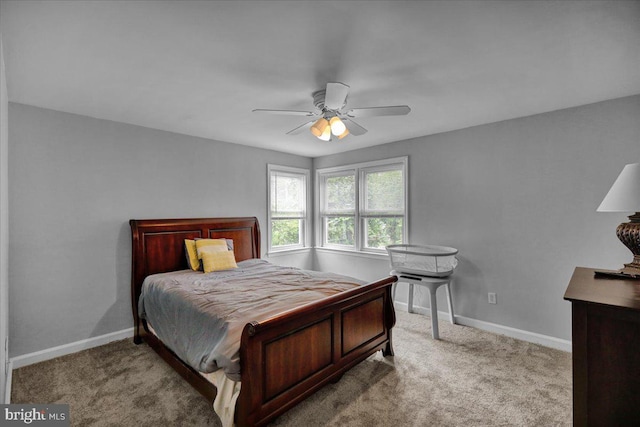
201 316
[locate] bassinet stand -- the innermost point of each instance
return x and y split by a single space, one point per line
432 283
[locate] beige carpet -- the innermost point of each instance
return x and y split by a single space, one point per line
468 378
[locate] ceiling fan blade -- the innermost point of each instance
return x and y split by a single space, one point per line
298 130
286 112
354 128
396 110
335 96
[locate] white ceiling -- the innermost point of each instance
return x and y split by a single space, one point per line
200 67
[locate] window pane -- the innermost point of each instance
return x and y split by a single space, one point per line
287 195
340 230
341 193
286 232
384 191
381 232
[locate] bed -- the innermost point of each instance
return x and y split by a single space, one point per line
285 358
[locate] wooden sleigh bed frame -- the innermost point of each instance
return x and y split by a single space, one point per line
286 358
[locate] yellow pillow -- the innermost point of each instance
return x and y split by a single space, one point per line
192 254
217 261
210 245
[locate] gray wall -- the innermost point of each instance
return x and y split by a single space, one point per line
518 199
75 183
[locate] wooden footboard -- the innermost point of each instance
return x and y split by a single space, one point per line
286 358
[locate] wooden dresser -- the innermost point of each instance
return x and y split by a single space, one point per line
606 349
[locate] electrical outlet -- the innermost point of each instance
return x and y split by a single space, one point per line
493 298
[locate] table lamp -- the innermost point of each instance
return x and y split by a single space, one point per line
624 196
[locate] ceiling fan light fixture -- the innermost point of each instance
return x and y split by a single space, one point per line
337 126
326 133
319 127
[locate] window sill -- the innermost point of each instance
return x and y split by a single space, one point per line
288 252
359 254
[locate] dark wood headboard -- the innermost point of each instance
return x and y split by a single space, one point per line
158 246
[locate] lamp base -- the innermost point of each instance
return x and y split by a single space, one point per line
629 235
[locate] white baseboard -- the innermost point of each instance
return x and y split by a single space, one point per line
531 337
7 384
51 353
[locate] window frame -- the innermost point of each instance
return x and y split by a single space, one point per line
338 214
305 228
359 170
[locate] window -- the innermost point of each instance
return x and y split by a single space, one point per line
339 216
288 200
363 207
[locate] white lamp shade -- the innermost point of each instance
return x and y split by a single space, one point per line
343 134
624 195
326 134
319 126
337 127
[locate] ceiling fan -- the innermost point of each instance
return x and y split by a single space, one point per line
330 118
